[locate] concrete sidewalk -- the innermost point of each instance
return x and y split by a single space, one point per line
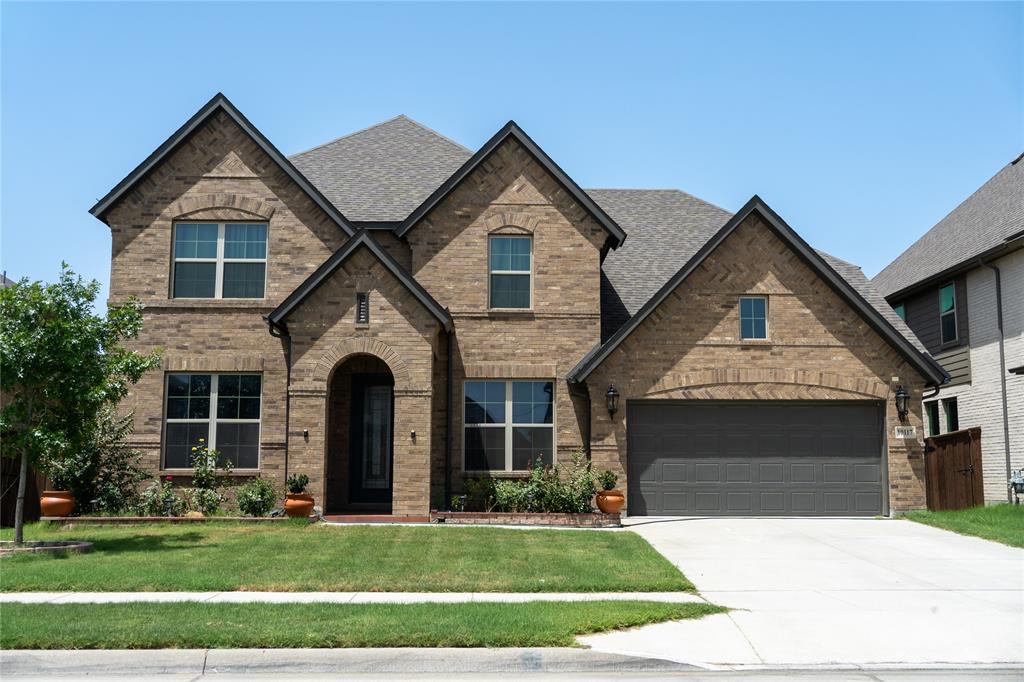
339 597
432 664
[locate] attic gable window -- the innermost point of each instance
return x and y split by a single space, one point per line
219 260
510 265
753 317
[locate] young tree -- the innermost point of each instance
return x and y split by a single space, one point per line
60 364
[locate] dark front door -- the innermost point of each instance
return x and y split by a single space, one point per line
371 439
755 458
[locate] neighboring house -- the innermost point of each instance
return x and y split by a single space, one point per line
391 312
960 287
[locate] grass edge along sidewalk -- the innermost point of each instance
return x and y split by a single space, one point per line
1003 523
201 625
219 557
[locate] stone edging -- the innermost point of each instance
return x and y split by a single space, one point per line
7 547
592 520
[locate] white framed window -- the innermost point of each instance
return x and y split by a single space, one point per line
507 425
510 262
753 317
947 313
222 409
219 260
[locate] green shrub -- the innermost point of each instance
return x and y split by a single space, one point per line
205 495
552 489
607 479
159 499
257 497
297 483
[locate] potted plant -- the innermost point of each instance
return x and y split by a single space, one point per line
59 501
610 500
298 503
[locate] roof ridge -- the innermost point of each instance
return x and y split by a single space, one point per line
377 125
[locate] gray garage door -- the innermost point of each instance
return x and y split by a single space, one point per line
780 458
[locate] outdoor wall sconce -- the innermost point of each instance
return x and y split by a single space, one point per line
412 435
901 402
611 397
305 435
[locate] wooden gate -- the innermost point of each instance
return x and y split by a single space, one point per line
952 465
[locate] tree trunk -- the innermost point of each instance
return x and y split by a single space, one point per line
19 507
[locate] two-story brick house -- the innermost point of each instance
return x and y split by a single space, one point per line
960 287
391 312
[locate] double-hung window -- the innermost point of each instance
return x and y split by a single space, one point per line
219 260
222 409
947 313
753 317
509 425
931 411
509 263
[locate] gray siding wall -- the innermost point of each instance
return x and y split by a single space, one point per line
957 362
922 311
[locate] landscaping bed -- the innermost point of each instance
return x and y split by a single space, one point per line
1000 522
135 520
298 556
197 625
593 520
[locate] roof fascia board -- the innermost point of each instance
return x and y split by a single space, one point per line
511 129
925 365
220 102
327 268
1008 246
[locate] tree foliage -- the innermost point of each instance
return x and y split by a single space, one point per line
60 365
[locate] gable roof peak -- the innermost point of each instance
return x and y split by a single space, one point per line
219 103
400 119
512 129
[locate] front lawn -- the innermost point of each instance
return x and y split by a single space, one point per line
1001 522
302 557
199 625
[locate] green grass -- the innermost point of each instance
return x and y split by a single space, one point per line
198 625
302 557
1002 522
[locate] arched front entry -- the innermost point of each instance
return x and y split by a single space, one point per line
360 436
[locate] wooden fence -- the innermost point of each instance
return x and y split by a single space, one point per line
952 466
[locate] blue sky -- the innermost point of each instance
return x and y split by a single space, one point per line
861 124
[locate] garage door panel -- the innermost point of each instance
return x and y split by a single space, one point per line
756 458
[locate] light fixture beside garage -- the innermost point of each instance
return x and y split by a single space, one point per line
611 397
901 402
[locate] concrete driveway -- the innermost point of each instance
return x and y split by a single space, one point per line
835 591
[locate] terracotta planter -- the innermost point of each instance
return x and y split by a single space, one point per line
298 505
610 501
56 503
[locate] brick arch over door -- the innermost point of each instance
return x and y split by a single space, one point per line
361 346
766 384
189 205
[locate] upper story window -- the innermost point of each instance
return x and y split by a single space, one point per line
510 268
508 425
931 411
222 409
901 310
219 260
753 317
947 313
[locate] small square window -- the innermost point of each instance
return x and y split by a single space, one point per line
753 317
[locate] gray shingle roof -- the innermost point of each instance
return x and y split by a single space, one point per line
383 172
983 221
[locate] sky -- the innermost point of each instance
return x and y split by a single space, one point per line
861 124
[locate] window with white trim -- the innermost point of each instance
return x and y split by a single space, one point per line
222 409
508 425
510 266
219 260
947 313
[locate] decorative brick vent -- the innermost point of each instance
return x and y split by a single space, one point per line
527 519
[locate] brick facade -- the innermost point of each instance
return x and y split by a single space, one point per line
820 348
